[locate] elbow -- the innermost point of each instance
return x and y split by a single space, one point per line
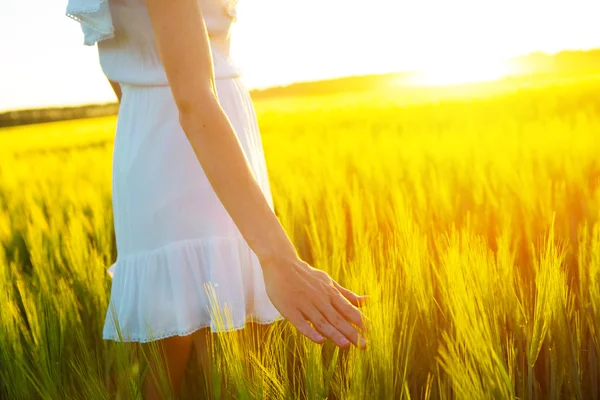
196 102
198 107
186 106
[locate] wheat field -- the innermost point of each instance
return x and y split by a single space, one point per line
470 215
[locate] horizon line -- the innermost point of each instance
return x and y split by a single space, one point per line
301 81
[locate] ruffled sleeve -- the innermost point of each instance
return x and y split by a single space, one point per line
94 17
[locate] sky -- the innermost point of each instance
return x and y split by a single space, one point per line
43 61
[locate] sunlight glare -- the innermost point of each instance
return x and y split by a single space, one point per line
462 73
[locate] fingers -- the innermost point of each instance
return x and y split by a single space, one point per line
341 324
331 309
350 312
322 325
353 298
304 327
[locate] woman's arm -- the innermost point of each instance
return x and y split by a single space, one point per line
116 88
299 291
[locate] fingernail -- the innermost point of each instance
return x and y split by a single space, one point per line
362 341
344 342
319 338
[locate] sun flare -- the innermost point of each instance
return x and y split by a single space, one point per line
458 74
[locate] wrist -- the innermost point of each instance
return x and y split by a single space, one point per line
277 256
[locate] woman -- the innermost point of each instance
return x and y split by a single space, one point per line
192 206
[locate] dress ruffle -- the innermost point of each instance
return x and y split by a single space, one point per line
94 17
214 282
96 21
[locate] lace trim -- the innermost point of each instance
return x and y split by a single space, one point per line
176 332
94 33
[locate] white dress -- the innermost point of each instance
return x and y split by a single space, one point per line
181 260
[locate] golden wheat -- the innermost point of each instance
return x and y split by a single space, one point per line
471 220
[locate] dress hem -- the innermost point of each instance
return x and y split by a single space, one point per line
183 286
144 339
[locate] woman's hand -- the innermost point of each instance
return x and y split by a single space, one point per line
301 292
